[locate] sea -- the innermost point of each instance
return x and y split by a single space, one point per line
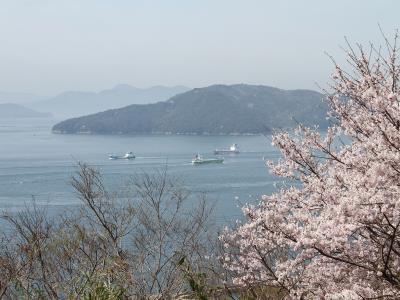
37 165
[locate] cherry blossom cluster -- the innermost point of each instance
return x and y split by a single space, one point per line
332 231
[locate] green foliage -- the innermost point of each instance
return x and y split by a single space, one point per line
197 281
104 291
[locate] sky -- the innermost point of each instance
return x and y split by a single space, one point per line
50 46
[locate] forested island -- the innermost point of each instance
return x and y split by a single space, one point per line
214 110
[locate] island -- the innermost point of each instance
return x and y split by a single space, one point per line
215 110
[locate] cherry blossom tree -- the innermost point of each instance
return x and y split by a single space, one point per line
332 231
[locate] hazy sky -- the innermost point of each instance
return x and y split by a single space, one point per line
48 46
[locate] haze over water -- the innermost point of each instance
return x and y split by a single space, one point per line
36 163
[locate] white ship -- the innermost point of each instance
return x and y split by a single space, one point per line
199 160
128 155
233 149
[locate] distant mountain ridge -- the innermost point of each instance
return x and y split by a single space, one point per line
217 109
20 98
76 103
12 110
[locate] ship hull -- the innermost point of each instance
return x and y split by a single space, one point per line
120 157
207 161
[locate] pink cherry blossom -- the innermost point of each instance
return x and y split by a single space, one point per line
336 234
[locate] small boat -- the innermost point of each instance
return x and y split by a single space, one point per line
199 160
128 155
233 149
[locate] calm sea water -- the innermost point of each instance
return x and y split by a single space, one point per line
36 163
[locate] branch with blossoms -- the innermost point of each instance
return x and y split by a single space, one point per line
335 234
